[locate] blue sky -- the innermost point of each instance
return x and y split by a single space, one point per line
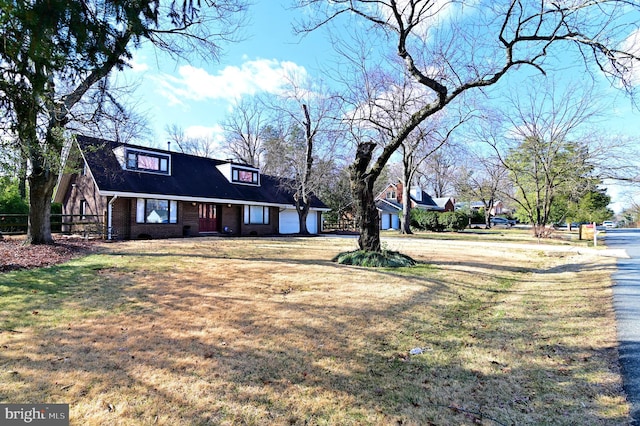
197 96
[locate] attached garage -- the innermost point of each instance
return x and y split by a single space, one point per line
289 224
312 222
389 221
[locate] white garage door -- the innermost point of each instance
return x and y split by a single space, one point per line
289 222
312 222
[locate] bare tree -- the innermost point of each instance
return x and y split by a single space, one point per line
450 48
482 178
544 144
300 147
438 172
110 112
425 142
244 131
200 146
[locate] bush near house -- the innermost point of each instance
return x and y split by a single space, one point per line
14 209
427 220
10 200
454 221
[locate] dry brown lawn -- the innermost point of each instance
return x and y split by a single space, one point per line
229 331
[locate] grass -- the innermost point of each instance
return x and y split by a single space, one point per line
270 331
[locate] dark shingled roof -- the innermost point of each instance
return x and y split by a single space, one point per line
427 202
191 176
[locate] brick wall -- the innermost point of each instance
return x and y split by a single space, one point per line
187 217
81 188
231 218
121 219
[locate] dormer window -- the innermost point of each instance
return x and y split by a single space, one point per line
391 194
244 176
147 162
240 174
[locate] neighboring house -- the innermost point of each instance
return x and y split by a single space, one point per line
447 203
151 193
389 203
497 209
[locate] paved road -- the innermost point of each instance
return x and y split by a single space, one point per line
626 301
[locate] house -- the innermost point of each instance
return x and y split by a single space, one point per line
389 204
152 193
447 203
497 209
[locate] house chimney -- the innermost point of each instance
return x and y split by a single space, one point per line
169 146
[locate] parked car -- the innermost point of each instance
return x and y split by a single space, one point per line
609 224
501 221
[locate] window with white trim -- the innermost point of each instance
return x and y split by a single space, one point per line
150 210
244 176
147 162
256 215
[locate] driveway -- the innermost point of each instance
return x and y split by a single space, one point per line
626 302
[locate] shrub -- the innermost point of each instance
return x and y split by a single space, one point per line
477 216
454 221
425 220
10 201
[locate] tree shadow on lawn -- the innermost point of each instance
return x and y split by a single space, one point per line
565 267
208 353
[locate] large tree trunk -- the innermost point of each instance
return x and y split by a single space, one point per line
41 187
405 222
303 212
367 218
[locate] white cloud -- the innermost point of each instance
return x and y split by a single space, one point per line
230 83
214 133
431 15
137 64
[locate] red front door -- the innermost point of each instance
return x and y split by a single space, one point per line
208 217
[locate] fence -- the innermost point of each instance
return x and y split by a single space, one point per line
85 225
339 225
